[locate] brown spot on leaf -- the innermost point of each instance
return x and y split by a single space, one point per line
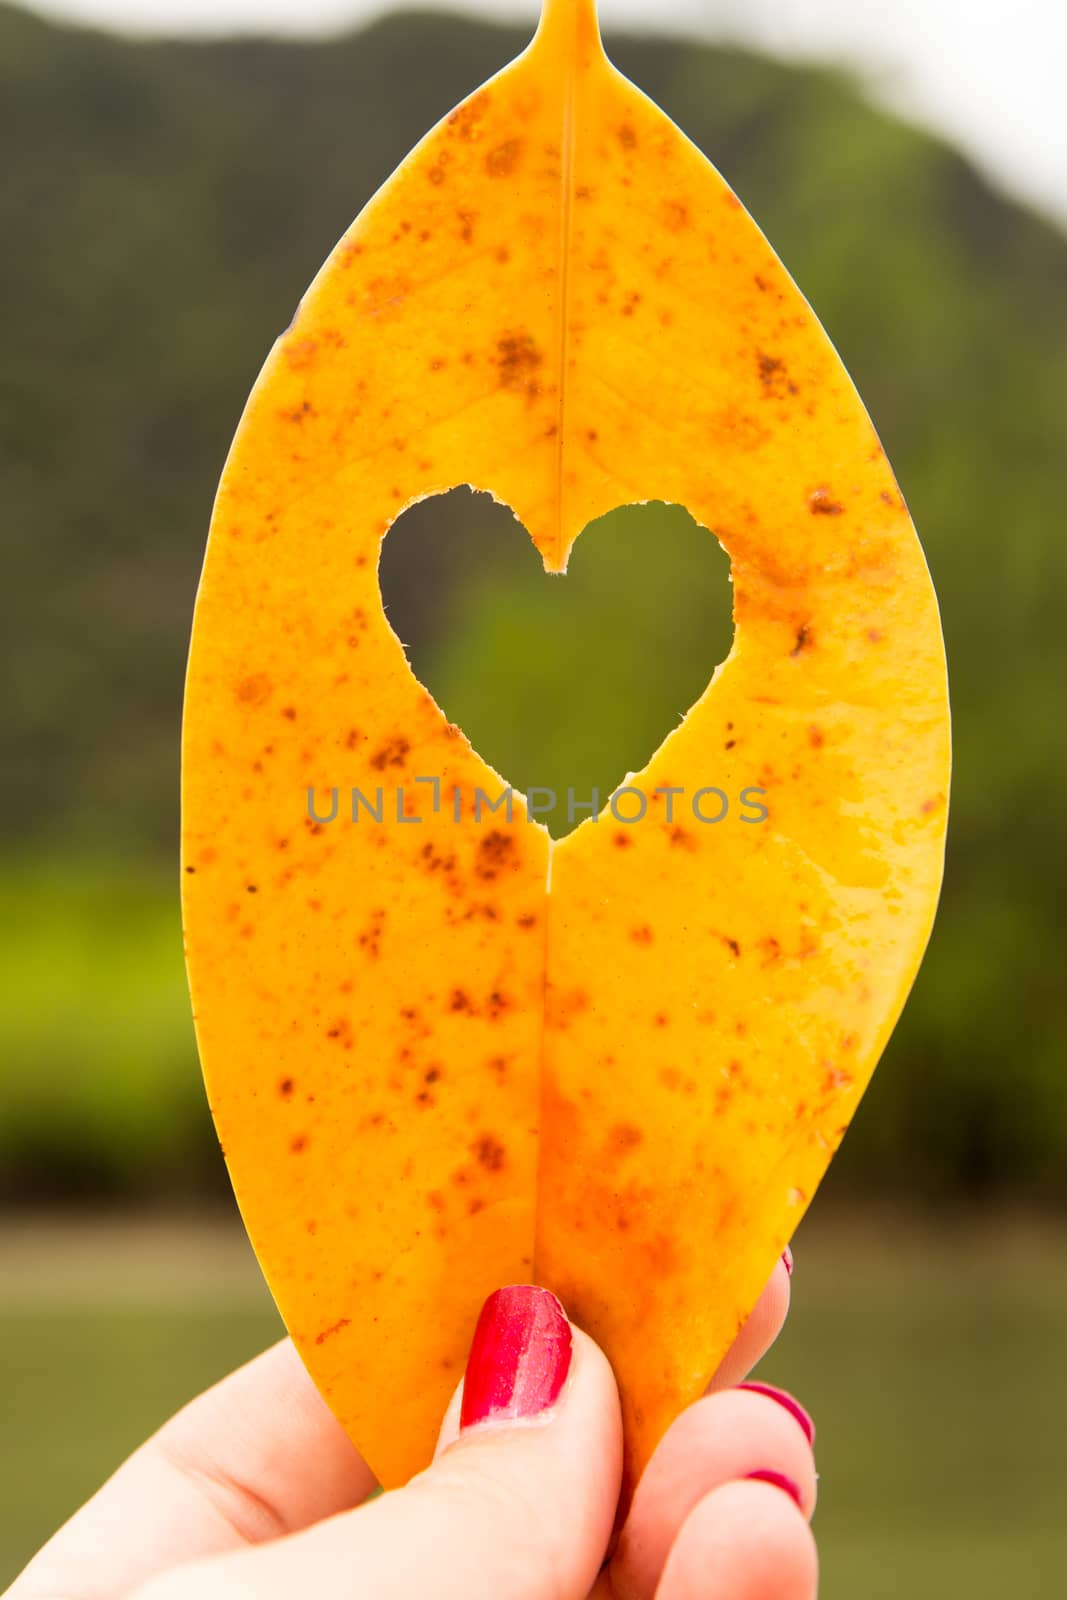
371 937
335 1327
435 861
298 413
495 853
393 753
463 122
803 640
662 1256
285 1088
769 366
254 690
504 158
642 935
773 376
627 136
518 362
821 503
300 353
489 1151
623 1136
298 1143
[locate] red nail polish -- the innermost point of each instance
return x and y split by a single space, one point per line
787 1257
779 1480
519 1358
794 1407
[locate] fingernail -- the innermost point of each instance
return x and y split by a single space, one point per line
794 1407
519 1357
787 1257
779 1480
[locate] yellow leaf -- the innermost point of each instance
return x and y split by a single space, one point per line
431 1075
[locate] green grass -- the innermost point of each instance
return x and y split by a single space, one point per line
932 1367
930 1359
100 1090
90 1385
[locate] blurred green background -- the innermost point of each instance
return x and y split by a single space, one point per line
162 208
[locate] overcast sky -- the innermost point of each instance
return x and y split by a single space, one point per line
989 74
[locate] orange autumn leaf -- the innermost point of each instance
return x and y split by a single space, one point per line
442 1052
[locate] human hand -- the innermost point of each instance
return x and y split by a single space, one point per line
253 1492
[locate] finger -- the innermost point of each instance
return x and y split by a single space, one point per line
519 1506
760 1331
744 1541
722 1438
256 1456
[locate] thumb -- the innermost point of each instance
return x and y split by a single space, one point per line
518 1503
531 1446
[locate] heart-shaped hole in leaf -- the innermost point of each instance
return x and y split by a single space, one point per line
561 683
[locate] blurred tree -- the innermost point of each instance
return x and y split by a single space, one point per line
163 207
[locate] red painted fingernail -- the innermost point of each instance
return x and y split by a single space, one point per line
779 1480
794 1407
787 1257
520 1356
